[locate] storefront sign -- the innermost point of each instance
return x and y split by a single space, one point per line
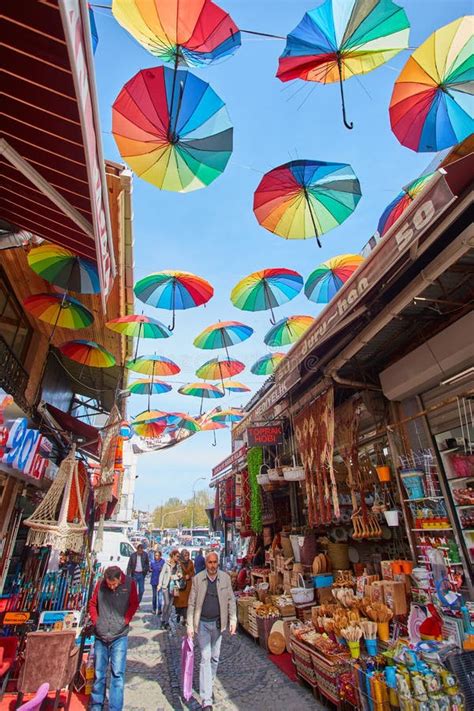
24 449
266 435
15 618
229 461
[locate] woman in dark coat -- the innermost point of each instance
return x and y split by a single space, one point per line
181 600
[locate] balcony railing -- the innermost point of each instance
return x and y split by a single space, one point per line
13 377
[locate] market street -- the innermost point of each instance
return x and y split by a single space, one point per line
246 678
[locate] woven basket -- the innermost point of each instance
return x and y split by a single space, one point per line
275 474
293 473
338 554
264 626
262 479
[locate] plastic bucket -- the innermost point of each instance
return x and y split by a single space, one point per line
383 631
391 517
407 566
383 473
354 648
371 647
397 566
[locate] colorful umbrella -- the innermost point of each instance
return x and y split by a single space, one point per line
216 369
327 279
135 326
59 310
398 206
212 426
266 289
149 387
151 416
343 38
63 268
202 390
306 198
188 33
228 416
87 353
153 365
150 430
173 290
432 106
172 129
288 330
234 387
181 421
222 335
267 364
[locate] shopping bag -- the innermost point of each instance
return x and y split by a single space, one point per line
187 665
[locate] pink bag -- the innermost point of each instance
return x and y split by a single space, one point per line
187 666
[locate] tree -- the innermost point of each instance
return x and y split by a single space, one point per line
166 512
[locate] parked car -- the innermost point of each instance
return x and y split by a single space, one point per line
116 550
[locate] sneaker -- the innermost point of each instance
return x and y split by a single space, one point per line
159 612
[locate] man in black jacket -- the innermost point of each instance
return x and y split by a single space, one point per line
138 566
111 608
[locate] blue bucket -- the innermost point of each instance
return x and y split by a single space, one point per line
323 580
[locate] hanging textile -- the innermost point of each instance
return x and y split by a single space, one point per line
229 511
222 499
347 418
314 430
254 462
80 495
245 526
46 527
217 510
109 435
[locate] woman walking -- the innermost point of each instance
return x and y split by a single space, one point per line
156 566
168 583
181 599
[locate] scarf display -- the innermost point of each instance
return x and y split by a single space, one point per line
245 524
347 419
229 510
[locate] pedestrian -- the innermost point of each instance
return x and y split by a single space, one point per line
156 566
181 599
199 562
111 609
137 568
168 585
211 610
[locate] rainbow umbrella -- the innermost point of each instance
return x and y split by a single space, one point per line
181 421
432 105
193 33
87 353
59 310
228 416
172 129
151 416
288 330
266 289
212 426
267 364
173 290
153 365
343 38
135 326
202 390
306 198
398 206
149 429
216 369
222 335
63 268
149 387
234 387
327 279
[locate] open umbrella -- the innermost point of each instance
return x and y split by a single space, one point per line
306 198
87 353
58 310
234 387
288 330
138 326
202 390
217 369
172 129
173 290
343 38
327 279
267 364
266 289
398 206
222 335
432 105
185 33
181 421
228 416
153 365
149 387
63 268
211 426
150 430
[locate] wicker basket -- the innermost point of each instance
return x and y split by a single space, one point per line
262 479
338 554
264 626
293 473
275 474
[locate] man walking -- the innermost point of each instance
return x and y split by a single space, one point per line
111 608
156 566
199 562
137 568
211 610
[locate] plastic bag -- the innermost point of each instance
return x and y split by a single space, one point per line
187 665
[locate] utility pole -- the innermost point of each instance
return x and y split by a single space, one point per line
201 478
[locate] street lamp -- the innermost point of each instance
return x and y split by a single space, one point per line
201 478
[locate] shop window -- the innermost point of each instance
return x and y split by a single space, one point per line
14 326
126 549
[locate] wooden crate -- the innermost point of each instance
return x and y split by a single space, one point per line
252 620
243 606
301 657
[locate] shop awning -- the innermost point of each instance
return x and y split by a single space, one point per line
52 180
86 436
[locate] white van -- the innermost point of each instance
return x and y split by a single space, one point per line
116 550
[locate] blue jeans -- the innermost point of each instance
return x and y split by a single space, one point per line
157 602
139 578
209 640
114 653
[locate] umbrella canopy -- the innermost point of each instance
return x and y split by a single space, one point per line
210 425
266 289
172 129
398 206
327 279
217 369
173 290
288 330
149 429
59 310
153 365
181 421
267 364
135 326
343 38
151 416
234 387
202 390
149 387
87 353
193 34
227 416
431 106
63 268
306 198
222 335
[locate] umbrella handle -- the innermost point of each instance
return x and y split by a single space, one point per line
344 118
173 303
214 444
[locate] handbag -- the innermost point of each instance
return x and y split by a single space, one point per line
181 583
187 664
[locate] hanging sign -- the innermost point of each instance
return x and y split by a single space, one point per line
231 459
269 435
24 449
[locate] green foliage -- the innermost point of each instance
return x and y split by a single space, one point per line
254 462
176 512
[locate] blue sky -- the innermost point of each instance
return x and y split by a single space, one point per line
213 232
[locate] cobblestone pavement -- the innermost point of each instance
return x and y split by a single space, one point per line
246 680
